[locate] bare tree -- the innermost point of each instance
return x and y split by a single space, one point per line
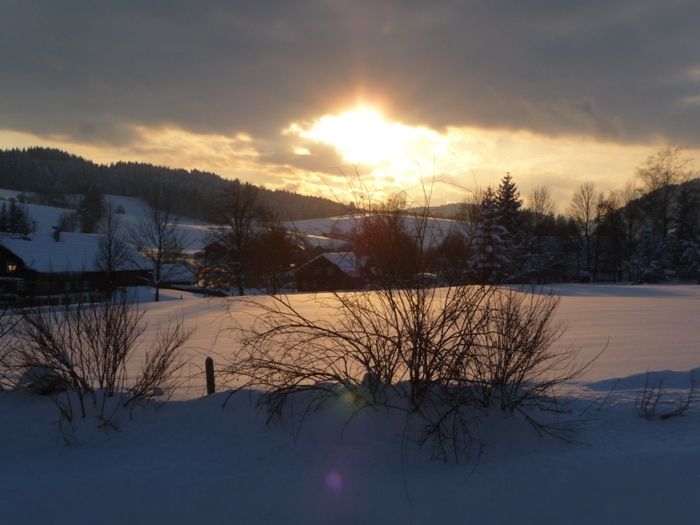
386 237
242 221
469 215
272 255
158 238
630 215
583 209
113 251
660 174
541 202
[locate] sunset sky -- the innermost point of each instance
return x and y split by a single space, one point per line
303 95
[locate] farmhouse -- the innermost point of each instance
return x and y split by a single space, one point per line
60 268
331 271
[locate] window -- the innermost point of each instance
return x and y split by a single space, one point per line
11 267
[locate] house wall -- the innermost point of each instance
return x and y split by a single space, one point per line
19 284
322 275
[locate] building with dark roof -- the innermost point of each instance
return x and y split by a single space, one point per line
61 268
332 271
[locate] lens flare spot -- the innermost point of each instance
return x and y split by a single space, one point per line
353 398
334 482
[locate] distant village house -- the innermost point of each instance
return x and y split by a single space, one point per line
60 268
331 271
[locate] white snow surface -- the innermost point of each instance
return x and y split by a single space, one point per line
194 460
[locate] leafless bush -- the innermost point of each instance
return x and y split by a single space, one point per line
372 339
442 355
110 332
8 321
52 340
162 364
514 363
447 351
85 349
652 402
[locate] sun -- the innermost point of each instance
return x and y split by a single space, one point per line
361 135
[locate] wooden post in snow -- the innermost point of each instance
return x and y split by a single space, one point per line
209 369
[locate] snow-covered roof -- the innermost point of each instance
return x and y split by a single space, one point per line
347 262
330 232
73 252
177 273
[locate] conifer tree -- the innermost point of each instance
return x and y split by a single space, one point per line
90 211
489 262
510 218
650 260
17 219
508 203
3 218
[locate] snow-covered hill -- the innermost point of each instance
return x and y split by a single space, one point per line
329 233
194 232
333 232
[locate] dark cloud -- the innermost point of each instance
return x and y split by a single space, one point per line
617 70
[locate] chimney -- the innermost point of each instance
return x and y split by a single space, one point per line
56 233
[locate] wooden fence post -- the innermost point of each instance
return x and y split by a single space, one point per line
209 369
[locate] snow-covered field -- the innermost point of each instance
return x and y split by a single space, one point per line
192 460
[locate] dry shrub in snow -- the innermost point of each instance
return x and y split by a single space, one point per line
84 350
653 403
514 362
440 353
8 320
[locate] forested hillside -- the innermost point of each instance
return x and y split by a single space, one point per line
52 173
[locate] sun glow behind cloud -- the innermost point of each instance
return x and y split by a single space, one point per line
392 156
363 136
389 156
